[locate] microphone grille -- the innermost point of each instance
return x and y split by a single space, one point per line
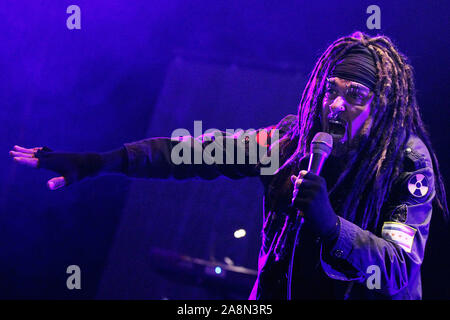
322 142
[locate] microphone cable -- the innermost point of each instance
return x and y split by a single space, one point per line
298 225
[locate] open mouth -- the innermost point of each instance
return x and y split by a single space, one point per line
337 128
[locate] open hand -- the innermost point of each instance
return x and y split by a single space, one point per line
27 157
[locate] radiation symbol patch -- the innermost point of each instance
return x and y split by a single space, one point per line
418 185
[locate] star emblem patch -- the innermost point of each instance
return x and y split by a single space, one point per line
418 185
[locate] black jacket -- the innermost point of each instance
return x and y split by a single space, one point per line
360 265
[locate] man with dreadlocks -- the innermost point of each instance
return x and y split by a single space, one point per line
367 219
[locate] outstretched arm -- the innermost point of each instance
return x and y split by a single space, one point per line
235 155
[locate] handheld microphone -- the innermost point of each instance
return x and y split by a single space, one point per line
321 146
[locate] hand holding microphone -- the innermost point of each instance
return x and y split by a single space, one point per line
310 194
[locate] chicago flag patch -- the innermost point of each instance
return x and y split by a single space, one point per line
399 233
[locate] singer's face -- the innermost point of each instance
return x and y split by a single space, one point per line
346 112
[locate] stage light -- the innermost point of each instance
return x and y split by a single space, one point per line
240 233
218 270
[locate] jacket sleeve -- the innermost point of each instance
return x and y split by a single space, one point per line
232 154
397 252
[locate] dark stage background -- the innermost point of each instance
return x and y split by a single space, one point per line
139 69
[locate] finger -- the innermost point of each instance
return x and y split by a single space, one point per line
302 173
25 150
21 154
308 175
30 162
294 196
56 183
297 181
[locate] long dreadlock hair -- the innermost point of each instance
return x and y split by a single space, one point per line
373 165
